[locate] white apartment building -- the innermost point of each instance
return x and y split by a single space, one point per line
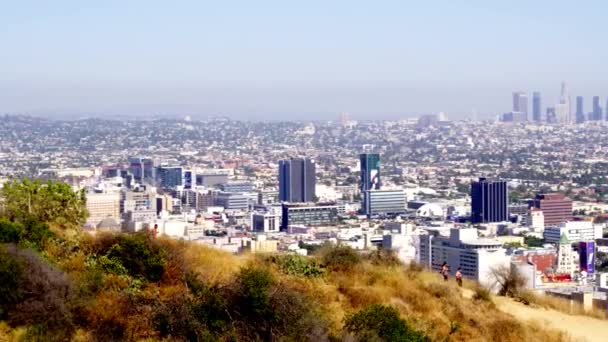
536 220
476 256
575 231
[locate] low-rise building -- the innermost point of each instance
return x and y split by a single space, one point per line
575 231
477 257
308 214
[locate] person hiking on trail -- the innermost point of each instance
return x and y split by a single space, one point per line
459 276
445 271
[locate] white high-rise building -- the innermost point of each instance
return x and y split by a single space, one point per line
563 110
536 220
520 104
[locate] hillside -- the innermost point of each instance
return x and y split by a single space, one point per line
135 287
60 284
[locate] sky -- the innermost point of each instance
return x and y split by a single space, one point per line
277 60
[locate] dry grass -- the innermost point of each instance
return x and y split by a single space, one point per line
213 265
430 305
560 304
423 299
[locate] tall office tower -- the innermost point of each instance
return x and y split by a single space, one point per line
536 107
597 109
489 201
142 169
370 171
580 112
564 114
520 103
297 180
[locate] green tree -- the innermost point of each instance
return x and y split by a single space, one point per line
381 322
532 241
51 202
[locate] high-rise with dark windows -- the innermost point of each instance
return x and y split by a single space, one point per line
536 107
142 169
297 180
489 201
370 171
169 176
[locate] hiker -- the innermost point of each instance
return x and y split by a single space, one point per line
445 271
459 276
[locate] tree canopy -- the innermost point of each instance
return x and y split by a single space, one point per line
45 201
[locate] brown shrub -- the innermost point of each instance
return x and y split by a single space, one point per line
45 295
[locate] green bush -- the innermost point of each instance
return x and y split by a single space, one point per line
298 265
29 232
10 232
255 308
211 307
381 322
138 254
340 258
254 287
37 233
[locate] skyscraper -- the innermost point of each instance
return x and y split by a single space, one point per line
597 109
520 103
580 112
142 169
489 201
564 110
370 171
536 107
297 180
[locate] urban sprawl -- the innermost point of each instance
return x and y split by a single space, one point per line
524 193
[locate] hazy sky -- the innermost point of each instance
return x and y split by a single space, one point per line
296 59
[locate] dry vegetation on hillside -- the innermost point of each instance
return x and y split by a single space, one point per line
133 288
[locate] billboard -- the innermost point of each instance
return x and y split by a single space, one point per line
187 181
586 250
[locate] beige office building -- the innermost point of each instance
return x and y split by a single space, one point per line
103 205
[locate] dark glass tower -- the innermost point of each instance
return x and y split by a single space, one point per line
489 201
142 169
580 112
297 180
169 176
370 171
536 107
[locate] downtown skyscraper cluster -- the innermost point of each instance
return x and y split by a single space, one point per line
561 112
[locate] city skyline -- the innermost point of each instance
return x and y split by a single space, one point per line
267 60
